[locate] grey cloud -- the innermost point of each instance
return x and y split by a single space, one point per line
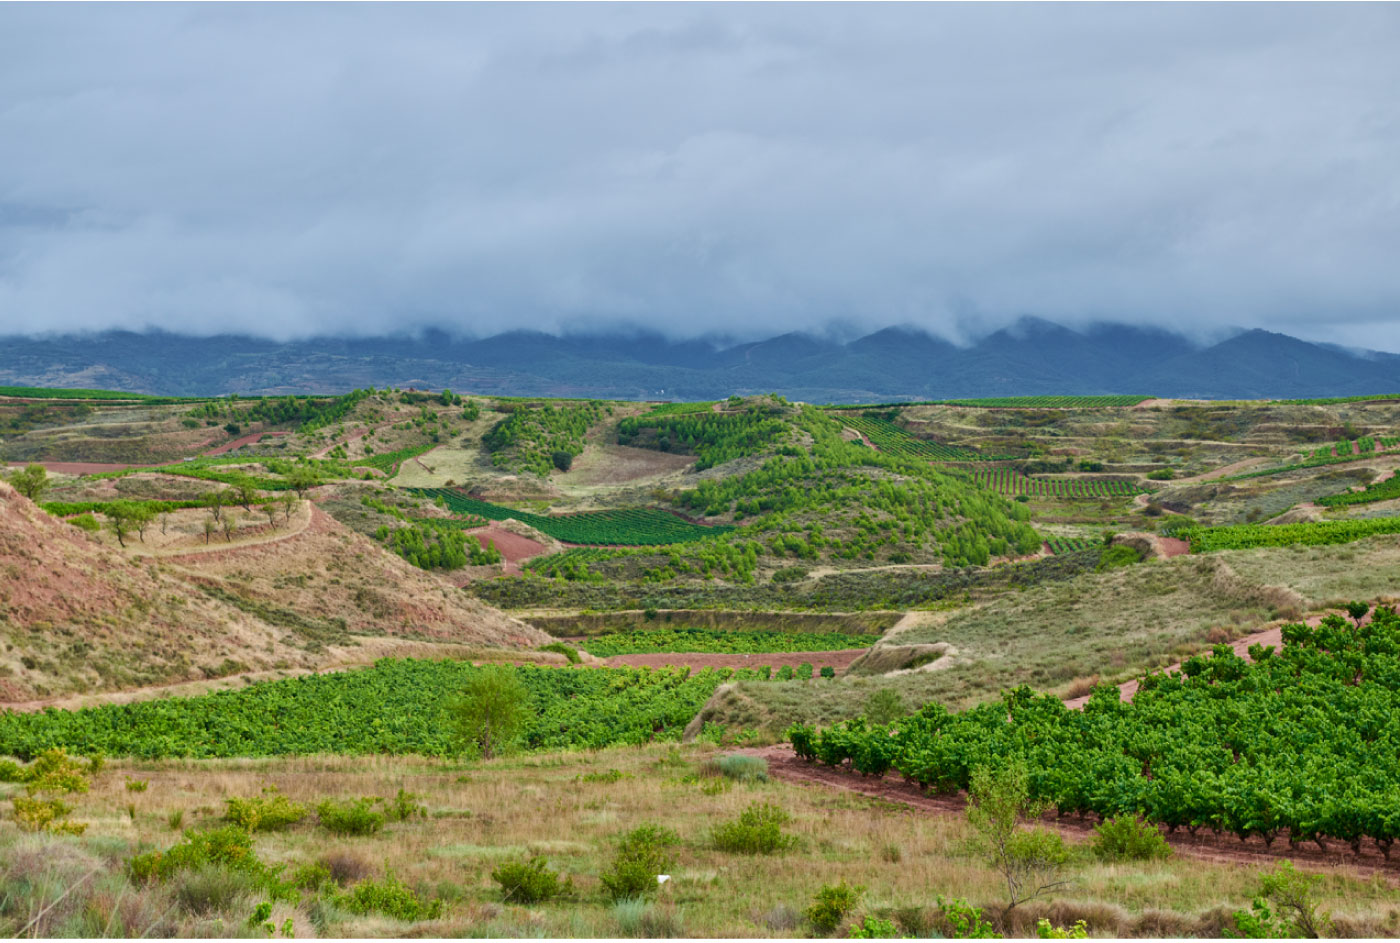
293 170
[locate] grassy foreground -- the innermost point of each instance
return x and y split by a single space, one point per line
571 808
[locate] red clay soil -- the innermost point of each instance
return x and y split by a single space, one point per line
840 659
1173 546
515 548
241 441
81 468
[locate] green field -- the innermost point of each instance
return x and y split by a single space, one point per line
397 706
622 527
1247 536
713 640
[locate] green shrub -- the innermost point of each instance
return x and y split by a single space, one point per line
884 706
790 574
213 888
559 648
230 846
266 813
832 904
355 817
529 881
757 831
1161 474
828 672
874 928
743 768
804 671
312 876
1126 838
642 855
1045 930
390 897
785 673
137 785
639 918
1119 555
964 922
86 522
404 806
45 815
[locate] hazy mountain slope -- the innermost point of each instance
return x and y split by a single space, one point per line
1031 357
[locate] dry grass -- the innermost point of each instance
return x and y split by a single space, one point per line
479 815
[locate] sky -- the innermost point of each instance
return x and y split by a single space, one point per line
740 170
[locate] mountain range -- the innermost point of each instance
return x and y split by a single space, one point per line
1032 357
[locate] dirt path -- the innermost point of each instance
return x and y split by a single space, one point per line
307 516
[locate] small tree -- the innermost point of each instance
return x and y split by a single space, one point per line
164 520
215 500
289 504
210 526
1294 895
247 494
563 460
302 479
121 519
270 509
492 711
141 517
229 524
1030 861
32 482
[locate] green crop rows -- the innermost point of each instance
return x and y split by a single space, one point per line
1008 482
1246 536
715 640
622 527
395 707
1060 545
889 437
1382 491
1301 743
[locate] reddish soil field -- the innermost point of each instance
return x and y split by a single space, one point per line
1174 546
513 547
840 660
80 468
241 441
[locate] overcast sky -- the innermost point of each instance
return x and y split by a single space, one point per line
740 169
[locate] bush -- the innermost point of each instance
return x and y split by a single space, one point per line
559 648
757 831
350 818
213 888
1119 555
264 813
1126 838
637 918
390 897
137 785
884 706
86 522
404 806
642 854
529 881
229 846
789 574
743 768
874 928
828 672
45 815
831 904
345 867
563 460
1161 474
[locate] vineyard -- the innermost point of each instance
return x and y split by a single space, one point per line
573 563
717 640
1300 743
389 462
1247 536
889 437
1059 545
1381 491
1008 482
395 707
1342 452
621 527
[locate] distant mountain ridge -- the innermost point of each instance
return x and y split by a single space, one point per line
1032 357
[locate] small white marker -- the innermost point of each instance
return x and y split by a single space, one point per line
662 878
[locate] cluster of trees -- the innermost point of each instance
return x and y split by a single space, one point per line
431 547
308 413
538 438
714 438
